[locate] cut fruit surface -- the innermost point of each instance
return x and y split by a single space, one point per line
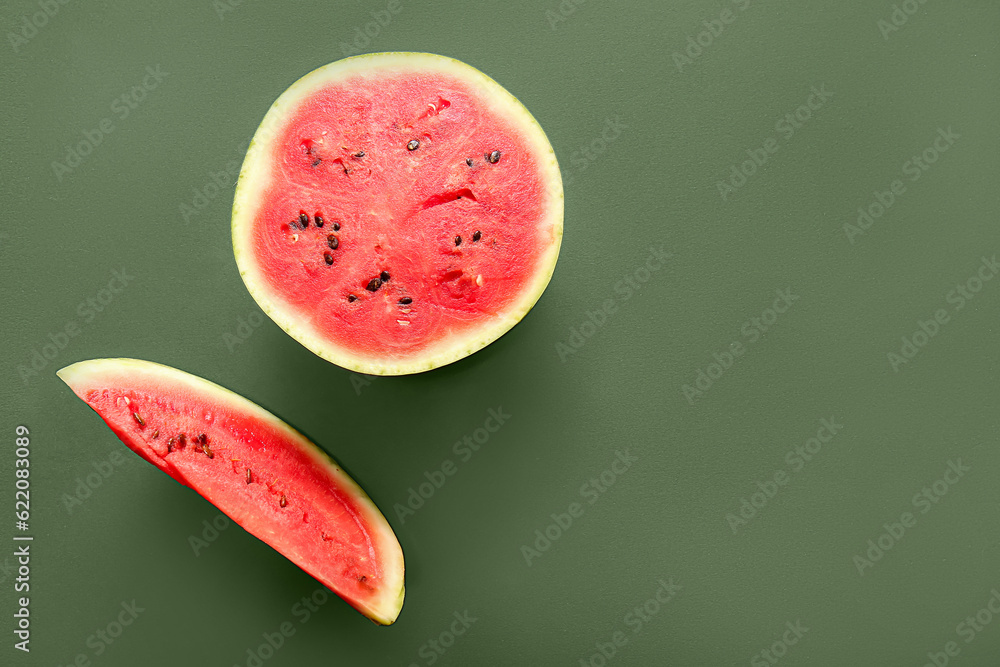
259 471
397 211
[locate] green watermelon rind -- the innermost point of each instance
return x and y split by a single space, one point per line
385 609
253 177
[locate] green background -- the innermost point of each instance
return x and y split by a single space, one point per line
654 185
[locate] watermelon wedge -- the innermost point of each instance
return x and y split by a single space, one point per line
397 211
263 474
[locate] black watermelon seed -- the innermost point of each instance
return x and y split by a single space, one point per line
248 476
336 226
478 235
332 241
202 439
316 162
468 161
458 240
328 258
282 501
493 157
351 298
384 276
373 284
303 220
406 300
319 220
156 434
138 419
413 145
359 154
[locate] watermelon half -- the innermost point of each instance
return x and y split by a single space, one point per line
258 470
397 211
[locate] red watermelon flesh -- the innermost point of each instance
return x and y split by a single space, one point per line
397 212
256 469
